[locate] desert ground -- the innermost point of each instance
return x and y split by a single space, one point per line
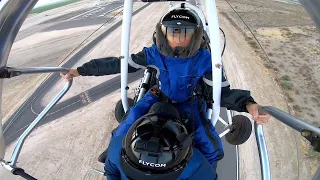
291 52
283 73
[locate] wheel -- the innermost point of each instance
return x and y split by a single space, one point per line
119 111
240 131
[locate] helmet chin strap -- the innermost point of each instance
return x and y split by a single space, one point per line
177 51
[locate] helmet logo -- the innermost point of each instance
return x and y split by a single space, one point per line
151 164
180 17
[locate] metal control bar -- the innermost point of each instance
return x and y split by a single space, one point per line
9 72
293 122
11 165
146 79
263 153
309 131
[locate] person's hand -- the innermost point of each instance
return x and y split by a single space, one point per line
253 109
70 74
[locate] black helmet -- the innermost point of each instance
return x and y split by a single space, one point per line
157 146
183 29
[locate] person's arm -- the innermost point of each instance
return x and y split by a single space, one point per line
112 65
232 99
235 99
107 66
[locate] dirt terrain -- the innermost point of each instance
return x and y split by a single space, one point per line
291 53
68 147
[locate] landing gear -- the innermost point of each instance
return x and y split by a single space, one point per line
240 130
119 111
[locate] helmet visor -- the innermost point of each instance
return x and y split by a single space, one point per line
178 35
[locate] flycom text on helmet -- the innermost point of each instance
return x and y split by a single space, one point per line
151 164
180 16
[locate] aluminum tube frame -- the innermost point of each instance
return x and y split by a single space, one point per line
146 79
6 165
229 116
125 44
41 70
209 113
223 122
263 153
26 133
2 142
224 133
290 120
313 9
238 162
317 175
12 15
214 34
